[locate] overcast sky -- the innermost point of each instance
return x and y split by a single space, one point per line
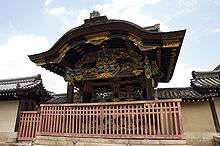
32 26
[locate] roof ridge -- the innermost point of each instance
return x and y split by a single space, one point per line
176 88
205 74
38 76
217 68
60 94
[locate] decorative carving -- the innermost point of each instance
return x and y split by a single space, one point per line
107 63
137 72
105 75
171 43
78 77
98 38
149 47
69 76
62 53
136 40
40 61
147 68
94 14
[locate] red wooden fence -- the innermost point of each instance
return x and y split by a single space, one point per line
160 119
28 125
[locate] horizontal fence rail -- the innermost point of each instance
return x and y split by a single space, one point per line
159 119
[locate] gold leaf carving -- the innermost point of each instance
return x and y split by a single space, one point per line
171 43
105 75
62 53
136 40
149 47
78 77
97 38
137 72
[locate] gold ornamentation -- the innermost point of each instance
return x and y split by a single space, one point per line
78 77
149 47
147 68
109 63
105 75
171 43
136 40
98 38
62 53
137 72
40 62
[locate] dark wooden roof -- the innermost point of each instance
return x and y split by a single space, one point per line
217 67
166 44
187 93
11 87
208 79
58 98
203 85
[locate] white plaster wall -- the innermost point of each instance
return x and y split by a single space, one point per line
197 117
217 106
8 115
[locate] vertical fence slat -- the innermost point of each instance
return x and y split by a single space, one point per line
161 118
149 119
137 124
175 118
113 120
158 119
121 122
171 119
76 129
166 119
141 122
125 119
117 123
180 119
129 120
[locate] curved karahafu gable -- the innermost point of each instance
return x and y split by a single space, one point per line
100 32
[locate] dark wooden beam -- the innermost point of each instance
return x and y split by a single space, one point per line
149 89
70 92
18 115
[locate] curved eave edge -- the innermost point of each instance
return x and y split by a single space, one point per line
176 59
41 57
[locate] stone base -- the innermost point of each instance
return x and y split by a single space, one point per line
67 141
8 136
200 138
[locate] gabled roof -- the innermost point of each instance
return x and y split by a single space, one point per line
11 87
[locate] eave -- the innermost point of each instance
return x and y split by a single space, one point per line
167 44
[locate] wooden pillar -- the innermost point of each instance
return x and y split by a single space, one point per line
70 92
87 92
214 114
115 90
149 95
148 90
